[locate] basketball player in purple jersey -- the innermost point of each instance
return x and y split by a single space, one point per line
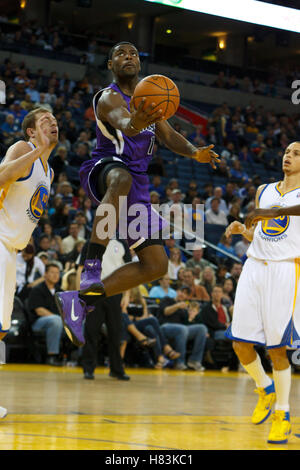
125 140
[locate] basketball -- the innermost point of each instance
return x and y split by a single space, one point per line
160 90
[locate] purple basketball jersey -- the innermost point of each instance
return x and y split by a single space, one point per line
135 151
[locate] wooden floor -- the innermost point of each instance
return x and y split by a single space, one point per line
55 408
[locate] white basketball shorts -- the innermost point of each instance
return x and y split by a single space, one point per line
7 285
267 304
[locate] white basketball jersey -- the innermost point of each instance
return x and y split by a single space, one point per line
23 203
277 239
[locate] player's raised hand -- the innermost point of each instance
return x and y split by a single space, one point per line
235 228
143 117
260 214
41 126
207 155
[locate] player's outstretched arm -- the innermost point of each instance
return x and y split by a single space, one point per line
272 213
20 158
179 144
19 163
112 108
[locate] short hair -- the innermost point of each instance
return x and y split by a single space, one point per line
51 265
30 120
112 50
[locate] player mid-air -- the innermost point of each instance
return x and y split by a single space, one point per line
118 168
25 180
267 302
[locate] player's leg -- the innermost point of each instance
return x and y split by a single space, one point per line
152 264
281 426
251 362
7 291
113 182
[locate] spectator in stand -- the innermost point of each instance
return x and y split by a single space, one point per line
18 112
44 313
196 292
235 273
68 243
230 192
84 231
208 279
211 137
59 161
63 141
10 130
80 156
191 193
249 197
225 244
55 240
197 260
214 215
33 92
60 217
156 185
65 191
232 83
237 172
218 194
234 213
215 315
175 263
154 197
223 169
197 136
220 82
138 315
221 273
30 271
229 152
163 290
175 324
245 155
228 297
241 247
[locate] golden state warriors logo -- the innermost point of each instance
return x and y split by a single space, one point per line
39 201
275 227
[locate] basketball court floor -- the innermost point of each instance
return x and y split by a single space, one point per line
56 409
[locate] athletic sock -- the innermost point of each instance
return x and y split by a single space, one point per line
282 380
257 372
95 251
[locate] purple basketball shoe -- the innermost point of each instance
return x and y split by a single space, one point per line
90 282
73 311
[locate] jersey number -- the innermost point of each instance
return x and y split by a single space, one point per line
152 142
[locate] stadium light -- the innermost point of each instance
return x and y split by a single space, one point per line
249 11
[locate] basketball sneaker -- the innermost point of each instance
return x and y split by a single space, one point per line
90 283
264 405
73 311
281 427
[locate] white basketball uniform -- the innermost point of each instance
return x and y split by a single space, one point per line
267 300
21 206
